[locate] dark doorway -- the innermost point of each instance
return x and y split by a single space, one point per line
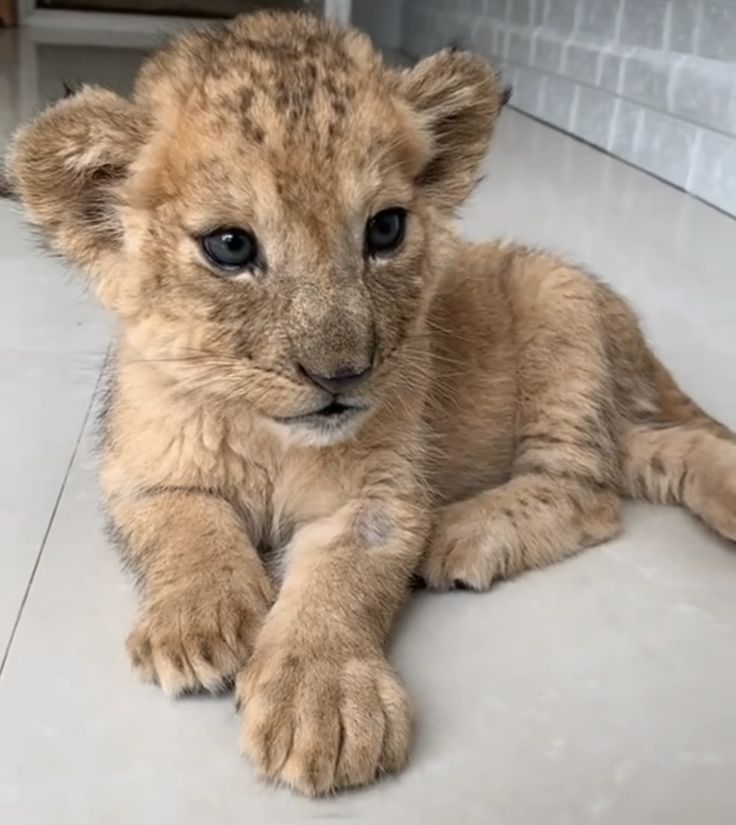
187 8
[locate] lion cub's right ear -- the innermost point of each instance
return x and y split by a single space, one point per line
66 168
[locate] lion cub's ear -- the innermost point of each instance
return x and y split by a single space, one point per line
66 167
457 97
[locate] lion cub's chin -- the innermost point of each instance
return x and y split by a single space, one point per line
316 431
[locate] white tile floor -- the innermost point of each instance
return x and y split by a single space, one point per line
602 690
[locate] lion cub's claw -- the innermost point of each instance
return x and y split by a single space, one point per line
193 640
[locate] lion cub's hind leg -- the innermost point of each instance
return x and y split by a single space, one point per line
532 521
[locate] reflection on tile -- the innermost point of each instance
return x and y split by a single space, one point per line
43 403
52 344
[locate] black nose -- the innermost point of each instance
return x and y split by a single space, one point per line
342 380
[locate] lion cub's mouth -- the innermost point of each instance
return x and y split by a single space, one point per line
333 409
332 412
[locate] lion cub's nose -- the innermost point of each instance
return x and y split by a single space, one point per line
343 378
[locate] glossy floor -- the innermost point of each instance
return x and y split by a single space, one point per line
601 690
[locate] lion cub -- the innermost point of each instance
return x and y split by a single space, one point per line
320 389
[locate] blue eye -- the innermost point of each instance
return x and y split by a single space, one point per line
385 231
232 250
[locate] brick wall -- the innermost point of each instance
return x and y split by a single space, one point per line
651 81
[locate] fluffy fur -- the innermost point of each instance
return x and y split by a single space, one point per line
511 406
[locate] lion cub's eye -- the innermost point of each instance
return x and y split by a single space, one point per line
232 250
385 231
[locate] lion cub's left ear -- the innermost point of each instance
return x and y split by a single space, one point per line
66 168
457 98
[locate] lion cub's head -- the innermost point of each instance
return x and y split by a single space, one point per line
266 214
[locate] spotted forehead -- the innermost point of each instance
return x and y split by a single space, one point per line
295 79
302 103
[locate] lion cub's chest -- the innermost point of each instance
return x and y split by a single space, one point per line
281 489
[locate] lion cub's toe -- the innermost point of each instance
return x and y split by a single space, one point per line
196 639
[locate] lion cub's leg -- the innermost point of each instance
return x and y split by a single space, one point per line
563 495
324 709
534 520
205 592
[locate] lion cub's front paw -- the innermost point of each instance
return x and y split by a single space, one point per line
197 637
321 724
464 554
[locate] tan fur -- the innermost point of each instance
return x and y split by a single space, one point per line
512 404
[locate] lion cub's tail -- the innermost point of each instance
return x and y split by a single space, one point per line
685 458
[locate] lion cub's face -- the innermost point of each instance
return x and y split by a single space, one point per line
265 215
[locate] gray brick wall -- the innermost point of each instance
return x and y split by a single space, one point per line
651 81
